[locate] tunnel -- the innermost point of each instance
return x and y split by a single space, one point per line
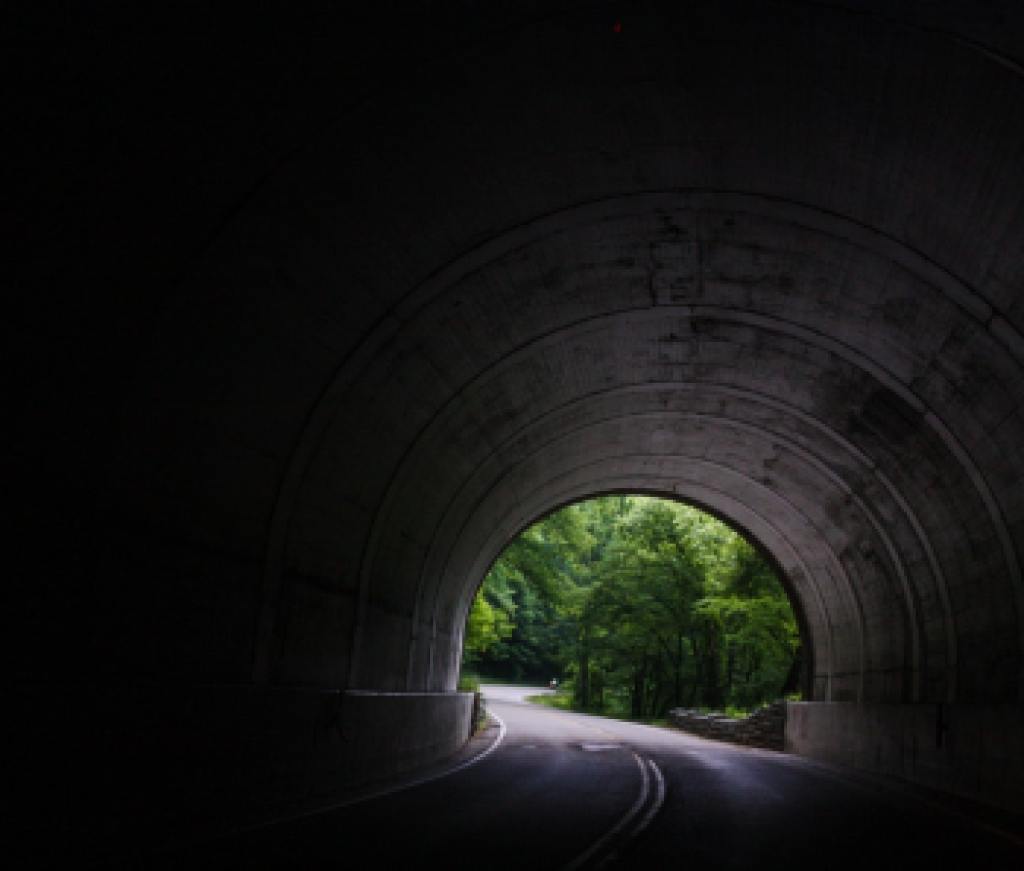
315 313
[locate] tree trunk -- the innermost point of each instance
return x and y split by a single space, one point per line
712 684
583 669
677 687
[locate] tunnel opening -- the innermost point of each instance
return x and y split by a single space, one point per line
634 603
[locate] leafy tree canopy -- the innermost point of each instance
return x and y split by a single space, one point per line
643 604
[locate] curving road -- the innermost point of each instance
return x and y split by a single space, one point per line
568 791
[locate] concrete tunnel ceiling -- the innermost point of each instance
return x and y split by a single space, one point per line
746 354
769 262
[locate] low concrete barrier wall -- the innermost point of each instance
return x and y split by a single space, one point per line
763 728
976 751
388 733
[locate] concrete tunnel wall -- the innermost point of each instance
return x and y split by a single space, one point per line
378 309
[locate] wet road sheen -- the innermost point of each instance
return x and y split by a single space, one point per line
569 791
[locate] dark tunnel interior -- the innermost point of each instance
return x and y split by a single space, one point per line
311 312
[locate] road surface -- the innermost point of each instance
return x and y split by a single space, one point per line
558 790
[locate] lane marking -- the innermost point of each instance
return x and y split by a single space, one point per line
587 854
391 790
483 754
233 832
659 800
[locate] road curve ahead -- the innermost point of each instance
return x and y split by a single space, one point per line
569 791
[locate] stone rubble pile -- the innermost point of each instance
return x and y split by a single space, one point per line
766 727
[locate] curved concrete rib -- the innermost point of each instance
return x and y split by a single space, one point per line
500 533
767 401
640 203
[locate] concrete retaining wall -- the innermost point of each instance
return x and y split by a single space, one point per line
388 733
976 751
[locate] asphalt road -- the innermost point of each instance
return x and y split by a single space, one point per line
566 791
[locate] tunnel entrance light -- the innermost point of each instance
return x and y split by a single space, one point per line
638 605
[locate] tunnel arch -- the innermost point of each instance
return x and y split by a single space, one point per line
317 319
887 366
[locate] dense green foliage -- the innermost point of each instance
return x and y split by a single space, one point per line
642 604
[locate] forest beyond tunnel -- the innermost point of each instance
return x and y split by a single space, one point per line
308 325
635 605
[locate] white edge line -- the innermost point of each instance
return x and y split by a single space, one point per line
326 809
410 784
579 861
659 800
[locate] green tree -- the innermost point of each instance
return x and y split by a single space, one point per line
644 603
531 582
486 625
